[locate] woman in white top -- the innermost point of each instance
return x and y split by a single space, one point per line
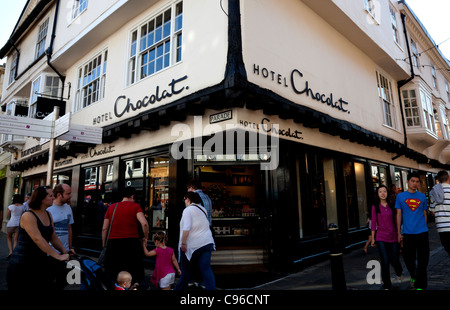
196 243
14 213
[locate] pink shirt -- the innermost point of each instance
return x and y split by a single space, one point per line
383 223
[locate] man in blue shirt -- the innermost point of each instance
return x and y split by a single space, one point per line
412 209
194 186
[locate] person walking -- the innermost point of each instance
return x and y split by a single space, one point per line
194 186
32 262
62 214
195 243
164 273
384 231
412 209
440 207
124 251
15 211
62 219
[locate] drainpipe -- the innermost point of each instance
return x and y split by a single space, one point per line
49 51
404 82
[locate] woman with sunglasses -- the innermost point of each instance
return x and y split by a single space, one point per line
34 260
196 243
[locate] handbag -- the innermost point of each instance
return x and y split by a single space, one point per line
101 258
213 232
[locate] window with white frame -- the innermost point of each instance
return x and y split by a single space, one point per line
415 56
40 45
78 7
156 44
447 89
387 101
49 88
428 114
370 6
411 107
13 69
433 75
440 121
91 81
394 24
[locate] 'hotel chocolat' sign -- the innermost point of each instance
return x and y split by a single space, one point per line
124 105
301 87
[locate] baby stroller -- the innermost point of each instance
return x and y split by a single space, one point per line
93 277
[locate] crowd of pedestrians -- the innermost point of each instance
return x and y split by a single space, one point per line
398 224
39 238
40 242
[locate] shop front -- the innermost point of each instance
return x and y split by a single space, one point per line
275 185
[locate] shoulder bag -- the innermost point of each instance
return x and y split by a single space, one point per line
101 258
213 232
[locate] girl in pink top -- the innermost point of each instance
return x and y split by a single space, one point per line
384 225
164 273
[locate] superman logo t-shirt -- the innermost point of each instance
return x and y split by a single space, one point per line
412 203
413 206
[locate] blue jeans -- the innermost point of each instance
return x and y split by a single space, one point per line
202 259
389 254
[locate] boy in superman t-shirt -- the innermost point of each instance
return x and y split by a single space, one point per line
412 209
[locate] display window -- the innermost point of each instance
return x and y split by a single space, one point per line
150 177
236 209
97 197
317 192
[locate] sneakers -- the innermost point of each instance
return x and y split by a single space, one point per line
412 282
396 279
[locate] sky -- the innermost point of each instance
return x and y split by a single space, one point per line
432 13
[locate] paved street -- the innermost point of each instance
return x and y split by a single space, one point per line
318 276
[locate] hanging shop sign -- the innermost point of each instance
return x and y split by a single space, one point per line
300 86
44 107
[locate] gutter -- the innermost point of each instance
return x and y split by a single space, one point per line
49 51
403 83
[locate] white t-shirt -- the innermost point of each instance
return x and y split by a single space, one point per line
62 218
195 221
16 213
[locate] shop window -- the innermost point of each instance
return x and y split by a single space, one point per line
379 176
150 177
355 194
30 184
318 195
62 177
97 197
236 208
400 180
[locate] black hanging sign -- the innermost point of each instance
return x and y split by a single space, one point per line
44 106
